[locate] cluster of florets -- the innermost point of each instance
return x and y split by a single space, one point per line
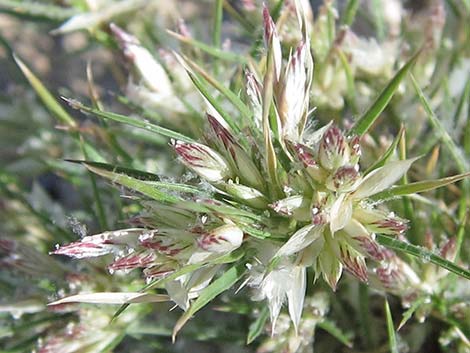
328 222
297 200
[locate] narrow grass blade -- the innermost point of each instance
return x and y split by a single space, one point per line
351 89
145 113
276 11
213 51
203 89
331 15
331 327
150 179
257 233
232 97
89 151
454 8
220 285
388 153
392 339
463 97
368 331
6 181
150 189
453 149
36 10
135 184
118 312
234 307
128 121
46 97
409 313
377 9
257 326
267 94
461 229
142 136
246 217
246 24
363 124
224 259
138 174
182 271
101 213
217 27
57 111
431 164
466 133
418 187
422 254
467 5
113 344
108 135
407 204
112 298
90 20
350 12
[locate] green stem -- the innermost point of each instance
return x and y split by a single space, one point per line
218 18
364 317
96 194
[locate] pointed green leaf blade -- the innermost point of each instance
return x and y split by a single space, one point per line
333 329
224 259
215 52
454 150
46 96
37 10
363 124
423 254
231 96
138 174
234 256
221 284
387 154
135 184
392 339
418 187
217 27
351 89
204 90
409 313
257 326
350 12
128 121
